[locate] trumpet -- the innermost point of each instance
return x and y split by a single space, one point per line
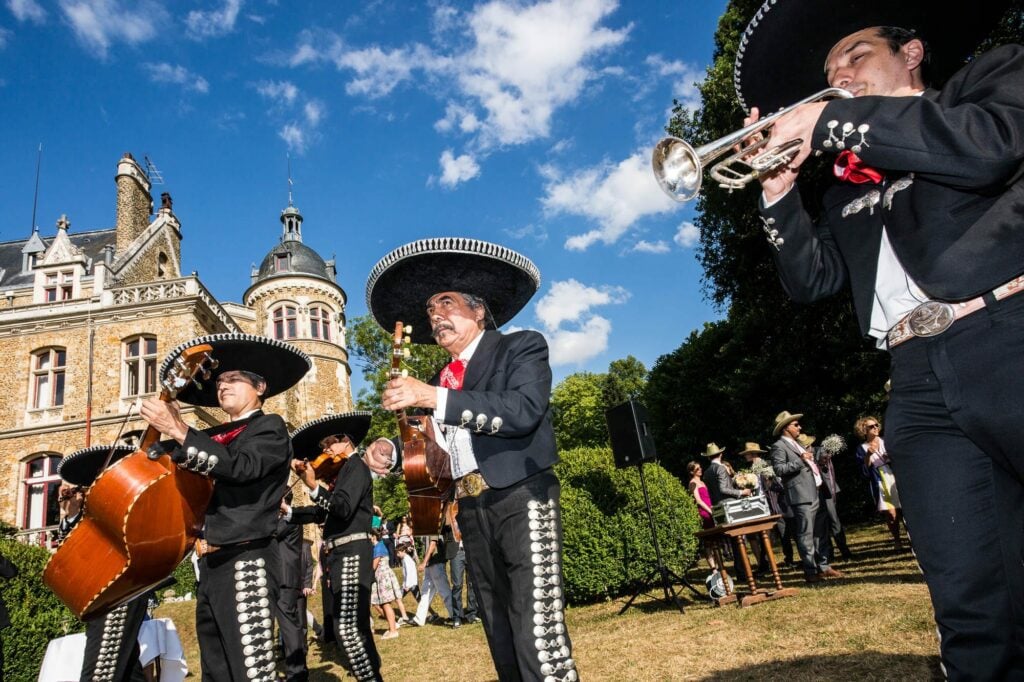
679 168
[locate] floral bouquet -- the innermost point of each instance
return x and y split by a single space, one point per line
763 468
745 479
833 445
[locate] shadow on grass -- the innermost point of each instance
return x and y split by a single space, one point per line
869 665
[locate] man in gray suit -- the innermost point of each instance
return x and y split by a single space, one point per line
795 467
717 478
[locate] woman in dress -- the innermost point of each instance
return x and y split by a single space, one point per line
703 499
387 591
876 467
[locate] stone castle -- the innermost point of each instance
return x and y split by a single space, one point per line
86 318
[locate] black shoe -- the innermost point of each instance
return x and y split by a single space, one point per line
471 620
456 623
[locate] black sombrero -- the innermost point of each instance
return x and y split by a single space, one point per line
281 364
306 439
400 284
781 56
82 467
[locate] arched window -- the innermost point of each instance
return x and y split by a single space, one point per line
41 482
319 322
286 322
48 367
139 366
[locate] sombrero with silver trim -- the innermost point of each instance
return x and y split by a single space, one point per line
306 439
83 466
781 55
400 284
280 364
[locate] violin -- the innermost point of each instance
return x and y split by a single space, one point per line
326 465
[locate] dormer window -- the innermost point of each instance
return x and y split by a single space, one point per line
281 262
60 286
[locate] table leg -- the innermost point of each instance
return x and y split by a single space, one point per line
771 559
745 562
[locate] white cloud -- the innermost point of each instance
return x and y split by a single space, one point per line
685 79
278 90
98 24
575 334
177 75
294 137
577 346
644 246
314 111
522 64
457 169
27 10
202 24
569 300
615 196
687 235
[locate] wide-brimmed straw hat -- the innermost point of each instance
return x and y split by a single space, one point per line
752 448
400 284
781 56
280 364
783 418
806 440
83 466
712 450
306 439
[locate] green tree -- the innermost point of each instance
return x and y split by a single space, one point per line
625 380
577 408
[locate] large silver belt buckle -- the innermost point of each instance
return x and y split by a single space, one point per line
472 484
931 318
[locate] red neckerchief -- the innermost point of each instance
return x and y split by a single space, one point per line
452 374
849 168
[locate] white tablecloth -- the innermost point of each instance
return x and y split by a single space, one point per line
157 637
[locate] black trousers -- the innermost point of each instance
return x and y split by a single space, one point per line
351 567
513 541
955 432
112 644
234 613
291 621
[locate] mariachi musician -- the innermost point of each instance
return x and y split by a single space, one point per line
492 405
327 445
111 639
248 462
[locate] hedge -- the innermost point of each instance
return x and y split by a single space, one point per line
607 547
37 615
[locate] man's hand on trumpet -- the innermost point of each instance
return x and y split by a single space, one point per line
796 124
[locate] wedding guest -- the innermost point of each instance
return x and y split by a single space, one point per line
876 467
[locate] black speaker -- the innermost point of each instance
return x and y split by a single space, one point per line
632 441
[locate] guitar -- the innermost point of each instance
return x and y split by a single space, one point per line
428 469
141 517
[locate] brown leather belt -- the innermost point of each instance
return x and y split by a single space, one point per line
931 318
470 485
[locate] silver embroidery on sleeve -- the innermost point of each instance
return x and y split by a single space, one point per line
898 186
868 201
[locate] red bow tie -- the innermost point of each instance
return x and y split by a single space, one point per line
451 375
850 168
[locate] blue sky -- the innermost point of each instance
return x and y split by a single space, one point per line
528 124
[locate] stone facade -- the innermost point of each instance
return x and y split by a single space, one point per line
132 289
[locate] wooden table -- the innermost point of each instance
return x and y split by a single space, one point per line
717 537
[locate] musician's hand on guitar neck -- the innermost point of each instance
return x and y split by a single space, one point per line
165 417
379 456
404 392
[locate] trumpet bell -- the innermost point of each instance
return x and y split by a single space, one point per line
677 168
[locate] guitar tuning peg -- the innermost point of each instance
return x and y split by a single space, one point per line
466 416
408 331
206 374
214 363
406 354
405 373
496 424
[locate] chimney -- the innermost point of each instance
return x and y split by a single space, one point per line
134 203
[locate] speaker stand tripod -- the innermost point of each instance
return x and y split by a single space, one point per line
666 577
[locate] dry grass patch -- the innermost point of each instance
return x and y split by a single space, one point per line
877 624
